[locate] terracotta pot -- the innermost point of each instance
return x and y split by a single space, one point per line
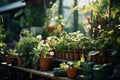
59 55
45 63
94 58
63 55
72 73
51 29
56 54
67 55
76 56
8 59
71 55
19 61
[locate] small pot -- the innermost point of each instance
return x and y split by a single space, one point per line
8 59
72 73
19 61
51 29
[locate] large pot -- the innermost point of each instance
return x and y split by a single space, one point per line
45 63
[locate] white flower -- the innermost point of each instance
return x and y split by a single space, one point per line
69 62
48 38
42 41
39 37
51 53
61 16
56 18
47 45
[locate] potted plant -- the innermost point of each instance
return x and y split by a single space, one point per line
3 45
104 43
25 47
106 40
44 50
51 27
116 51
61 47
13 56
2 51
61 71
58 45
74 44
71 68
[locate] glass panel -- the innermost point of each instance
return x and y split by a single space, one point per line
68 17
84 26
68 3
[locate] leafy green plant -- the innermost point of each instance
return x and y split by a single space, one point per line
86 68
101 42
106 40
87 44
26 43
3 45
25 47
72 41
116 52
69 64
100 15
43 49
13 53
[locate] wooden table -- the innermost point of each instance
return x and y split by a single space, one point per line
47 74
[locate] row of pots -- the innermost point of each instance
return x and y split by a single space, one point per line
70 55
44 67
10 60
102 57
44 63
96 72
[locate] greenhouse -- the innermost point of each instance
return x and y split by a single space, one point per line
59 40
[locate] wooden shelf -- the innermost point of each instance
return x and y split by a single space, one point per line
47 74
63 60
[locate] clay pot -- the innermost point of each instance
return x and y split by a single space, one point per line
71 55
63 55
19 61
50 29
8 59
72 73
76 55
45 63
59 55
56 55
